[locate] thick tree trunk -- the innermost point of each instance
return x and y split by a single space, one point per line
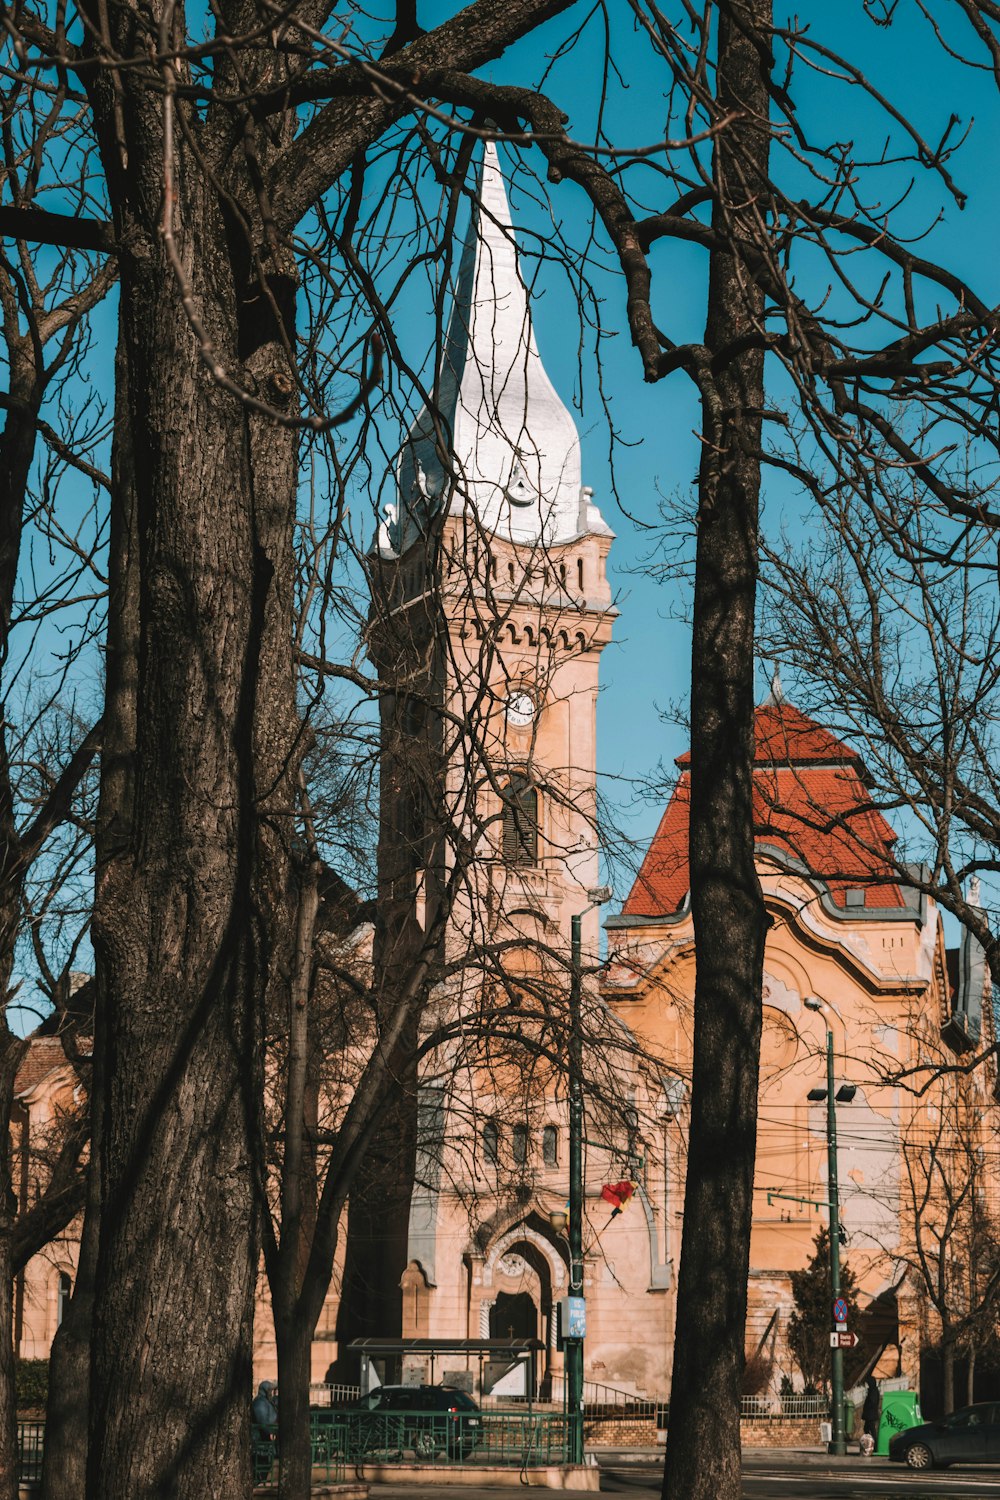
13 1051
703 1450
294 1373
183 924
378 1224
17 446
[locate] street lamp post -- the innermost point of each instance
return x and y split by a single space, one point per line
573 1343
838 1444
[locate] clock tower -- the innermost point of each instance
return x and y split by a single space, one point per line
491 607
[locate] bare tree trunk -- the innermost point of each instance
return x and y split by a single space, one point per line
378 1224
293 1332
13 1052
970 1376
17 445
294 1343
948 1376
182 924
703 1452
64 1459
64 1467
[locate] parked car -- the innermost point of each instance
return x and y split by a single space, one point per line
428 1419
969 1436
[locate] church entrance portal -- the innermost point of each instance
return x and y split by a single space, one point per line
514 1316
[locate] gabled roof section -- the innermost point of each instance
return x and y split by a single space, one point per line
785 736
810 802
44 1056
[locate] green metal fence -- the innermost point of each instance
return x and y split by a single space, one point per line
520 1439
30 1444
327 1454
508 1439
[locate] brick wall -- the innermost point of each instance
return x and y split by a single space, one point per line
626 1432
801 1434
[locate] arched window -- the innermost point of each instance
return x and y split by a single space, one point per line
491 1141
520 821
64 1294
519 1144
550 1145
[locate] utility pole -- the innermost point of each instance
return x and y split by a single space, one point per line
574 1346
574 1336
838 1444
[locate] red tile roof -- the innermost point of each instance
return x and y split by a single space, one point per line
44 1054
809 800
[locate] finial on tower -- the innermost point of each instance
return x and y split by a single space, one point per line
777 693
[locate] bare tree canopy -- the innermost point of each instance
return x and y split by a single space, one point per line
249 174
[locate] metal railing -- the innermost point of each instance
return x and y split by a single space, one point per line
327 1454
788 1408
30 1446
502 1439
321 1394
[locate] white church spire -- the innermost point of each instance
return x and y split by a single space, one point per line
515 451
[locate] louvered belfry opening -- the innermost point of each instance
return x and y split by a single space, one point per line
520 821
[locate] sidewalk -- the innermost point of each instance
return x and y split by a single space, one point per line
752 1457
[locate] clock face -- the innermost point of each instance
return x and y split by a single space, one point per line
520 708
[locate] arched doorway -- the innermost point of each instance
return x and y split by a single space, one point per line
514 1316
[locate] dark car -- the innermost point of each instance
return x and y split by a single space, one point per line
968 1436
428 1419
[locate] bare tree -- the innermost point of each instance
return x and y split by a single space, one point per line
214 153
889 622
49 574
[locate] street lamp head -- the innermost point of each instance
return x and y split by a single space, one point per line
813 1002
599 895
558 1219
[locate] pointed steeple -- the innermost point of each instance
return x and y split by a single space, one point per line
515 451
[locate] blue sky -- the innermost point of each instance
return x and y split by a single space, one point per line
646 671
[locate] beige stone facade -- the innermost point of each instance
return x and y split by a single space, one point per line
45 1090
495 629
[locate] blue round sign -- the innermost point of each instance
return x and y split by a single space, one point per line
840 1311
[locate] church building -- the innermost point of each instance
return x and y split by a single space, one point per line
495 607
491 608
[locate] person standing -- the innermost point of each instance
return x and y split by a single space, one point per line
871 1411
263 1410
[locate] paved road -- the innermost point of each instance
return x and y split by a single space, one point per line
766 1476
791 1476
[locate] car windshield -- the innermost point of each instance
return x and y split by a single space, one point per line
461 1400
969 1416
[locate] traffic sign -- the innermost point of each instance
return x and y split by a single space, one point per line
840 1311
844 1340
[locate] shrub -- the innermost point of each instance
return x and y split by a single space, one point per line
31 1380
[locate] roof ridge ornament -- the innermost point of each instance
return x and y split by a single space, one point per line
777 694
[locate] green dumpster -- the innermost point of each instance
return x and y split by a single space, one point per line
850 1411
900 1410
